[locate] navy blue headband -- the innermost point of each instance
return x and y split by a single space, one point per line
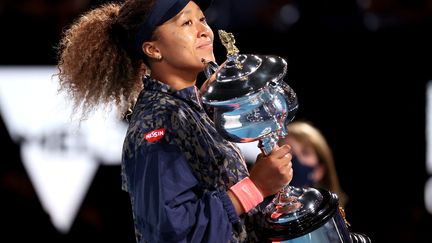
162 11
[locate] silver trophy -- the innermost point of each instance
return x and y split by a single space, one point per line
250 101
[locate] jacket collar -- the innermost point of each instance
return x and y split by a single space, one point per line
190 94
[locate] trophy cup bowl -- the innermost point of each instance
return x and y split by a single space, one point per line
250 101
250 105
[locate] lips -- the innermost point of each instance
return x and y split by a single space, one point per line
205 45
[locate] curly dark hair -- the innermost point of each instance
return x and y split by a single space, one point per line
97 64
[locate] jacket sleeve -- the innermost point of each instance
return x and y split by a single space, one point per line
167 204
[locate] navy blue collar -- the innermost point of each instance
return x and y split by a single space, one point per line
190 94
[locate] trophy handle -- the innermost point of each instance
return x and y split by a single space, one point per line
210 68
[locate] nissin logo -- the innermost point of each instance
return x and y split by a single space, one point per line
155 135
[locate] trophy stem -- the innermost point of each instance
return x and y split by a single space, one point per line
267 144
285 202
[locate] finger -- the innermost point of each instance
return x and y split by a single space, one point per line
288 156
288 166
281 151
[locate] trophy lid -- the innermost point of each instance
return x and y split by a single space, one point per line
242 74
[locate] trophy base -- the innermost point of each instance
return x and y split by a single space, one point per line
299 214
293 203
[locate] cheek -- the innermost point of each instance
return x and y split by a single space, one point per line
296 148
174 42
182 40
310 160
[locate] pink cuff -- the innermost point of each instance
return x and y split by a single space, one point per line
247 193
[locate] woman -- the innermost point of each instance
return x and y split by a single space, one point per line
186 183
313 160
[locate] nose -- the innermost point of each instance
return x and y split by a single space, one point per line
204 30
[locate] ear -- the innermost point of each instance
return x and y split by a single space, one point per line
150 49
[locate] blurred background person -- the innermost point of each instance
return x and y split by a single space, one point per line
313 163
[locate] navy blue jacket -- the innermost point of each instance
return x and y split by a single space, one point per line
177 169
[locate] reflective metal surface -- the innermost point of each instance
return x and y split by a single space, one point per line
317 221
243 75
359 238
250 102
250 99
293 204
262 115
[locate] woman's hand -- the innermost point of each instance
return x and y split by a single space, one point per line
273 172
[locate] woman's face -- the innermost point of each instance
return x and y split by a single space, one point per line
186 39
305 153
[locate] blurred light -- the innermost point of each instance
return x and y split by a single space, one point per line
61 181
371 22
59 154
364 4
429 128
288 15
428 195
428 186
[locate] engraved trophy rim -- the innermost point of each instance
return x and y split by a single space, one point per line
231 82
241 74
